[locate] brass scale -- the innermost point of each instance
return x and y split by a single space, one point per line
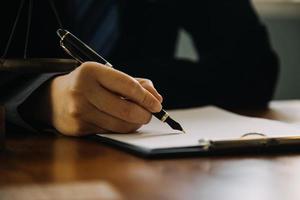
33 65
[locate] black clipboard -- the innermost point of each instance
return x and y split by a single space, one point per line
260 144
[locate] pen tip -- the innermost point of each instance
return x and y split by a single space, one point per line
175 125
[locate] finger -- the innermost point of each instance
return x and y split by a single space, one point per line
114 105
125 85
153 91
148 85
107 122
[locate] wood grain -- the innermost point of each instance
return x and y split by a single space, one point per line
37 164
2 127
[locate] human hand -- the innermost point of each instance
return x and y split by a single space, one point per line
95 99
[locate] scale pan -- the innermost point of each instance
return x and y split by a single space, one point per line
38 65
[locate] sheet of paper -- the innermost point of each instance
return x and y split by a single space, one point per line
202 123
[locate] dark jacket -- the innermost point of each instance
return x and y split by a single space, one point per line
237 66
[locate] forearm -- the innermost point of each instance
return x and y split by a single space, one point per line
16 92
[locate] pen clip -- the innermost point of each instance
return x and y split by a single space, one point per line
69 52
80 60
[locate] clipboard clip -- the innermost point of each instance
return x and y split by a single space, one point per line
249 140
205 144
253 134
209 144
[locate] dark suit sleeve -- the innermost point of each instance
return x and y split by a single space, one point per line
15 89
237 66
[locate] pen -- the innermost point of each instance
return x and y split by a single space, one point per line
82 52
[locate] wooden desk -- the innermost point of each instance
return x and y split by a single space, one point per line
2 127
57 167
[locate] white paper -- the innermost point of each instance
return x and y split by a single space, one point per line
210 123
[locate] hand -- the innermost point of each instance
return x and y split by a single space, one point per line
95 99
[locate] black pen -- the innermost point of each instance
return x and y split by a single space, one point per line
82 52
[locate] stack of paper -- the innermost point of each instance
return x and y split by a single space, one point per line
209 123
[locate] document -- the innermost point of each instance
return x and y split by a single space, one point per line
208 123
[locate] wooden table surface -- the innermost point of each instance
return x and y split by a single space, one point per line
57 167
